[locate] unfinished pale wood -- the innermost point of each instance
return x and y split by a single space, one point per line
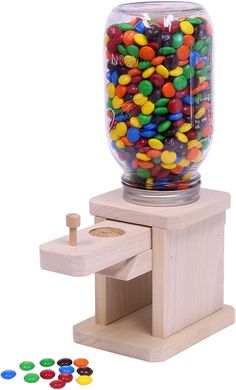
73 222
131 335
131 268
116 298
188 267
112 206
94 253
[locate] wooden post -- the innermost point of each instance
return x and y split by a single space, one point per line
73 222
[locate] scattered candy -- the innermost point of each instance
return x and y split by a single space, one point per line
47 374
85 371
65 377
160 99
84 380
81 362
8 374
66 369
27 366
47 362
64 362
57 384
31 378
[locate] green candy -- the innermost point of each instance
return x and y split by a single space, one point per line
145 87
201 72
47 362
198 45
178 40
144 119
133 50
125 26
144 64
122 49
117 110
197 98
166 50
27 366
188 71
156 160
204 51
162 102
195 21
31 378
164 126
160 137
109 103
161 110
205 143
144 173
180 82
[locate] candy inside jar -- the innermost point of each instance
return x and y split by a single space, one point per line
159 98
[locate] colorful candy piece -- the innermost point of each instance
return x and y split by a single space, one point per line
31 378
64 362
57 384
26 366
65 377
84 380
85 371
81 362
47 362
66 369
9 374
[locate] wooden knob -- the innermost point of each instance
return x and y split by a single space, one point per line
73 221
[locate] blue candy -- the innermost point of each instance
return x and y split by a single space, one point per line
150 126
115 77
8 374
205 59
179 158
175 117
139 27
162 181
66 369
121 117
188 99
133 134
148 133
108 75
194 58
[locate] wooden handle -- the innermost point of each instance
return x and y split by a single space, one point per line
73 222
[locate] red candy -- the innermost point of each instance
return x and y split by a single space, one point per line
58 384
175 106
157 80
65 377
47 374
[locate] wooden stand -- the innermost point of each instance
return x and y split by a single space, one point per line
158 273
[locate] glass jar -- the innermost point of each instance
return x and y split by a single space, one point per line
158 64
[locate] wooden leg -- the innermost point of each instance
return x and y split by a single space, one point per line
187 274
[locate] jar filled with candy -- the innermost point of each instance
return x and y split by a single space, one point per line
158 63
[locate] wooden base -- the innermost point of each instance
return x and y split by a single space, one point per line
131 335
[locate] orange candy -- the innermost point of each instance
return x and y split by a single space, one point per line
147 53
126 141
200 88
127 106
121 90
177 170
146 164
189 40
135 164
182 63
200 64
183 52
81 362
128 37
134 72
154 153
168 90
207 131
158 60
192 153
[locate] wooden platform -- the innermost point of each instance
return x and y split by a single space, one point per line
131 335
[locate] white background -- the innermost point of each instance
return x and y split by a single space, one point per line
53 158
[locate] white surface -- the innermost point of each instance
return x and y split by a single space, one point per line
51 77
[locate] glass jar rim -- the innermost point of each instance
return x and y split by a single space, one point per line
165 7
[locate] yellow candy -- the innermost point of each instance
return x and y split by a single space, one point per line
200 113
155 144
120 144
193 143
149 183
181 137
185 127
135 122
187 176
121 129
202 79
163 71
168 166
114 135
140 99
184 162
130 61
148 108
111 90
186 28
148 72
107 39
176 72
124 79
168 157
143 157
84 380
117 102
140 39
